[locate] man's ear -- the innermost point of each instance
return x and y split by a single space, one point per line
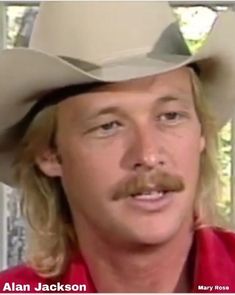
49 163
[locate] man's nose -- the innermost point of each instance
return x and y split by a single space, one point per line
145 150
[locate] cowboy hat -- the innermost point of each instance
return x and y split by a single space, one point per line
83 42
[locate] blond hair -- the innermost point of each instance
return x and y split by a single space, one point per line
52 235
209 186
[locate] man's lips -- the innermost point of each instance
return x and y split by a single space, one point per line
155 201
149 195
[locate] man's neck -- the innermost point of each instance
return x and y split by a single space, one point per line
144 269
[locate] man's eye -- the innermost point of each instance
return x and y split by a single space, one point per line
106 129
171 117
109 126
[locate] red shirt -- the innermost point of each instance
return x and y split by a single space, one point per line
213 264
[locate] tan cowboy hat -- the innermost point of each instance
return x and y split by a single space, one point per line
83 42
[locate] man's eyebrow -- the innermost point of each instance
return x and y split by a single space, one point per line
105 111
171 98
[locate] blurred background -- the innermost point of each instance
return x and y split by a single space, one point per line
196 18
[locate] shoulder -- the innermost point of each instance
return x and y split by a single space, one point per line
219 234
219 240
19 275
214 260
27 280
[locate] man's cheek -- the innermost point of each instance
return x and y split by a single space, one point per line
189 161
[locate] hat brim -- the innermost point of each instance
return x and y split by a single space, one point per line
33 73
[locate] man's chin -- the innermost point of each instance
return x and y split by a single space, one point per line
153 234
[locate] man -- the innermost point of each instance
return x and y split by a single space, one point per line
111 142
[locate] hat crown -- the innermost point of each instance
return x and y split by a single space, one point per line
99 32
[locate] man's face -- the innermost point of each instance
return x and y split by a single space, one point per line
130 158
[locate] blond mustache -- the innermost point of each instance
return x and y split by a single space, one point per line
155 180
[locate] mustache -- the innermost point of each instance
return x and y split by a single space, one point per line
149 181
